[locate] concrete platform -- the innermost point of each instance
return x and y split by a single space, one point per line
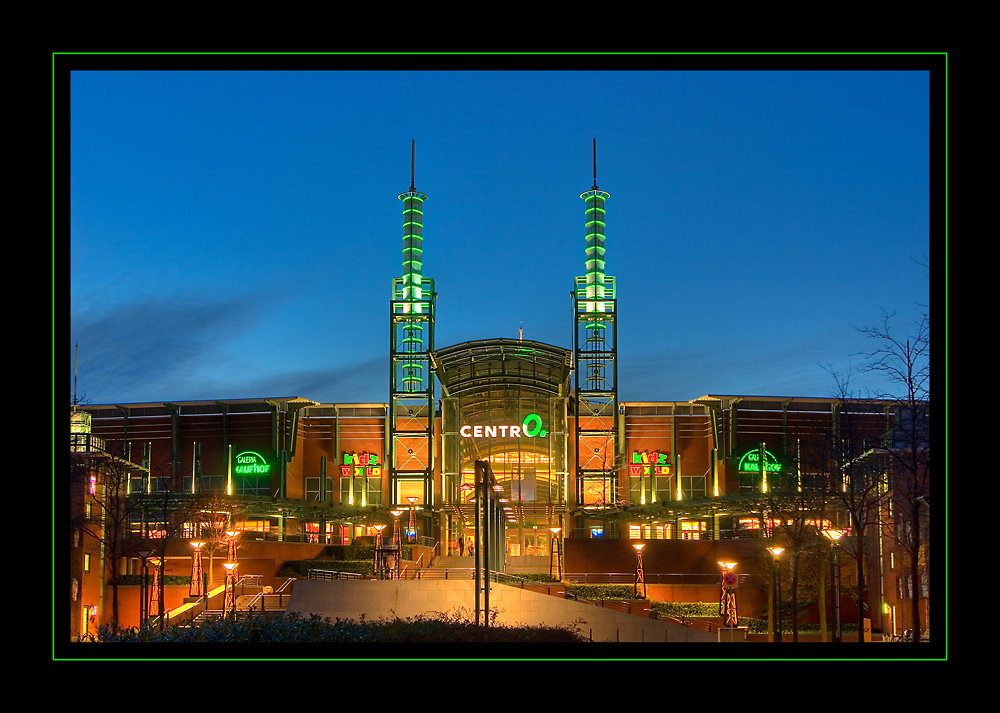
350 599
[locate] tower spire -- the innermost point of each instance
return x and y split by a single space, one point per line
411 382
596 353
595 165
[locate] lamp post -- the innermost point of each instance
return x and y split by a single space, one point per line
554 550
155 594
775 624
379 552
143 599
230 600
197 580
411 530
232 537
834 537
727 603
397 542
639 577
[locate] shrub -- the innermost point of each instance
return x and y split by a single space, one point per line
603 591
454 628
687 609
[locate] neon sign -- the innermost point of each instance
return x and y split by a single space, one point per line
249 462
531 428
750 462
654 463
361 464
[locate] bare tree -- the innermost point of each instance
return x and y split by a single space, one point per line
796 513
858 479
904 362
166 510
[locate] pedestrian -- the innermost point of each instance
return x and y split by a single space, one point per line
461 545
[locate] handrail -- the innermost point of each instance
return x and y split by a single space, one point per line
330 574
629 577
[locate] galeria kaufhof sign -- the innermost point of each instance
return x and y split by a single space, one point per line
750 462
248 463
531 427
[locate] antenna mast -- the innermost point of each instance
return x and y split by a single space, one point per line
595 164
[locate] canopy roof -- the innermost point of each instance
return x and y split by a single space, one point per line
491 364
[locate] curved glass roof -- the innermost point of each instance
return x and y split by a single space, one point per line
495 364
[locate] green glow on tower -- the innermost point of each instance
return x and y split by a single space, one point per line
412 296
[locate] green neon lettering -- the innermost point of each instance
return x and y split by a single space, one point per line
533 426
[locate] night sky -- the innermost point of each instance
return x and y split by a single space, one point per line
233 234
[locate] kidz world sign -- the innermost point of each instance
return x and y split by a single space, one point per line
249 462
531 428
363 464
654 463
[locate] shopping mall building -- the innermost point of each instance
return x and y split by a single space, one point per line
564 450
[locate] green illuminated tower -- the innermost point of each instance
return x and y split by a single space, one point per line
411 383
596 361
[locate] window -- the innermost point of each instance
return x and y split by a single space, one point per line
86 562
597 491
409 488
361 491
692 530
693 486
312 489
313 533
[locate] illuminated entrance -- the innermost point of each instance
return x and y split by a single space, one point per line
505 402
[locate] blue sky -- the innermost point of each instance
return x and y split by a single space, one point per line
233 234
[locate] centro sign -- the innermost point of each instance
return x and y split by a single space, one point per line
531 428
250 462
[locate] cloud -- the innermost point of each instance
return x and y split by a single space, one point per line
361 382
134 351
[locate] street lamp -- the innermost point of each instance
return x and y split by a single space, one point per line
143 601
197 580
775 625
639 578
555 551
727 603
231 541
834 537
155 594
411 530
379 552
230 600
397 542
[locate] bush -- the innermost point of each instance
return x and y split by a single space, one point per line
603 591
687 609
169 580
454 628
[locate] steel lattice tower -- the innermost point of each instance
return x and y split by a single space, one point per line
411 382
596 357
